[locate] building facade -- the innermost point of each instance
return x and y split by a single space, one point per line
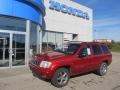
20 27
34 26
66 21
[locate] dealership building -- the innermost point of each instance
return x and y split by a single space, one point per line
33 26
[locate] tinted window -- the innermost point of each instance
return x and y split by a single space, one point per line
10 23
72 48
105 49
96 49
85 50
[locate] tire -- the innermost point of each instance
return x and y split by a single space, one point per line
61 77
34 74
103 69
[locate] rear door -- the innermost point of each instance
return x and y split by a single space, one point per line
97 56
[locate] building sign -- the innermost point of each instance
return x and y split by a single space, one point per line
68 10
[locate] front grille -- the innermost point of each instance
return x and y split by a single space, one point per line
36 62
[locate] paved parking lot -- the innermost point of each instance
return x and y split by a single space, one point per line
22 79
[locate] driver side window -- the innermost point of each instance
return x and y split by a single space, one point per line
85 51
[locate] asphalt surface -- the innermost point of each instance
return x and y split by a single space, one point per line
22 79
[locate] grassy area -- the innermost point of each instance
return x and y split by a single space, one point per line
115 47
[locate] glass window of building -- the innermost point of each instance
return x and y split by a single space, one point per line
33 38
59 40
11 23
18 45
52 40
4 49
44 41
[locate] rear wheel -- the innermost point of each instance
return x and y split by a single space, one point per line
61 77
103 69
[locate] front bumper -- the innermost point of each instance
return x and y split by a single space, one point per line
42 72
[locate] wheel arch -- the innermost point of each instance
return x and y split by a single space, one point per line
106 61
66 67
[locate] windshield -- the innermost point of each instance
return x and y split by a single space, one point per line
70 49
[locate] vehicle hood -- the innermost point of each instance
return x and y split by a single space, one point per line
49 56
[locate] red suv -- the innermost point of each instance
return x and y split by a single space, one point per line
78 58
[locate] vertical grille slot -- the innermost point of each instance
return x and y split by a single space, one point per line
36 62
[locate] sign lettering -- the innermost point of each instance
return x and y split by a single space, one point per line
68 10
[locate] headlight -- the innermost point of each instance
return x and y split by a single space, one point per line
45 64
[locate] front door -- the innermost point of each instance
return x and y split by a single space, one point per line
4 49
12 49
18 49
82 62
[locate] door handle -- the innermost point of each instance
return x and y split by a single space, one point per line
11 51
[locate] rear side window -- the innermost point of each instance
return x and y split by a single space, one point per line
105 49
96 49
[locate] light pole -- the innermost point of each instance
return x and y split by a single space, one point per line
95 34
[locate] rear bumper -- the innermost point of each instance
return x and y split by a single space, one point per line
44 73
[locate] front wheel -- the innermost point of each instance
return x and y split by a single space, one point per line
61 77
103 69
